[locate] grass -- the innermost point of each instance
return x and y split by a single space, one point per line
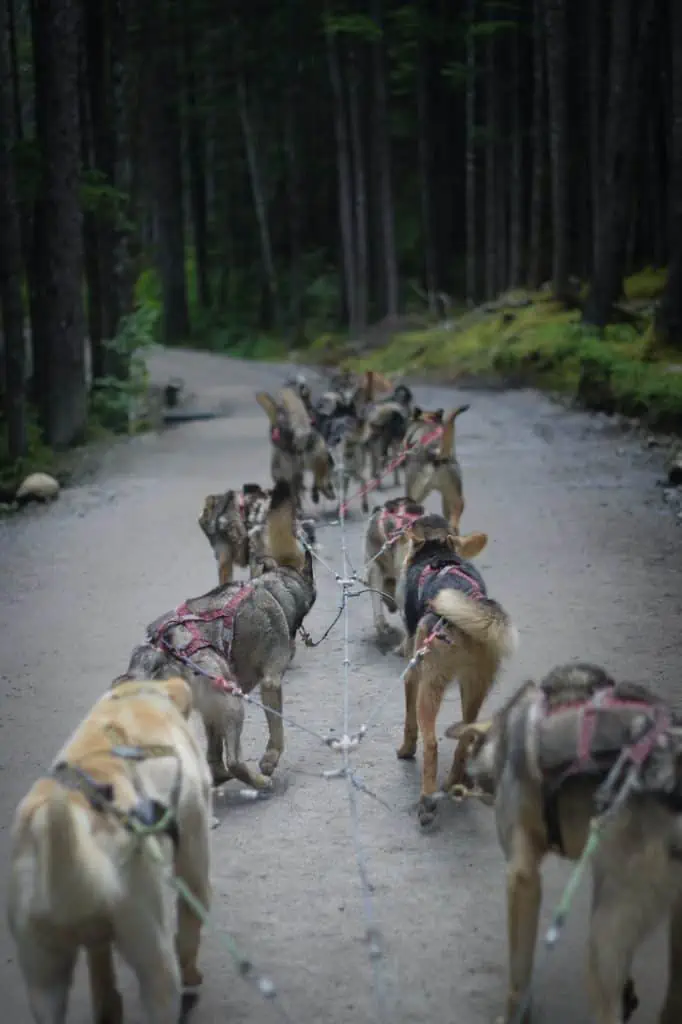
542 344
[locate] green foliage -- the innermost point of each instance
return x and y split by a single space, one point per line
112 397
101 198
39 458
359 26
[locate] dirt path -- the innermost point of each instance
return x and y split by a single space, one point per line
583 554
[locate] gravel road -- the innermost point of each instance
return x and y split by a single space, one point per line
582 552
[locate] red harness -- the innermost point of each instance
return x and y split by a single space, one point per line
476 594
393 523
183 616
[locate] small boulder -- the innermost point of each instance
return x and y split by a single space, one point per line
38 487
675 468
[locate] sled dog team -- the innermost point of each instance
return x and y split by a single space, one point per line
125 808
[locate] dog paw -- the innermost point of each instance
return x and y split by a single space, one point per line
407 751
631 1000
269 762
315 495
426 811
261 782
219 774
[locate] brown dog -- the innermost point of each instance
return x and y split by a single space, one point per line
434 467
82 878
462 633
545 757
385 541
228 521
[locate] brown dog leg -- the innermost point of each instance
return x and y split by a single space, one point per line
429 699
192 866
411 728
225 568
214 755
475 681
271 696
615 931
524 894
107 1005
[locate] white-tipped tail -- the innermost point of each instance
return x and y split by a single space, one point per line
74 877
484 622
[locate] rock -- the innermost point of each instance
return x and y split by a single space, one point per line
38 487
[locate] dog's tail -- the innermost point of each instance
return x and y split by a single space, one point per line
282 541
484 621
74 876
447 441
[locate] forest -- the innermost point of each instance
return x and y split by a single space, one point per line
265 177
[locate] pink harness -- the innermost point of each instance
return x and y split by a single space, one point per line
476 594
183 616
401 521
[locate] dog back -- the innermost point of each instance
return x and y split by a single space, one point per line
433 570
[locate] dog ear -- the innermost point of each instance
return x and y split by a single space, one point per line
180 693
269 405
471 545
417 534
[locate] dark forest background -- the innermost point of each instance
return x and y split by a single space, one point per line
214 173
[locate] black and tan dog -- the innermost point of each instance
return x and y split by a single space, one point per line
237 634
296 445
228 521
462 632
545 757
434 467
235 524
385 542
386 426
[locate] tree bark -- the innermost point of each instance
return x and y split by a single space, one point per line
383 155
90 240
166 165
60 329
121 100
623 118
359 192
259 201
555 22
424 159
343 164
491 128
14 355
470 161
536 263
669 314
196 155
595 80
516 170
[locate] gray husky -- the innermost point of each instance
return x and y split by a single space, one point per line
237 636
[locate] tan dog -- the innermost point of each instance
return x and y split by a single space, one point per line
529 757
466 635
296 445
434 467
81 877
385 542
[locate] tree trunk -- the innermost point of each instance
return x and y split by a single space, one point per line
624 108
669 315
555 23
259 202
196 154
383 154
491 135
470 161
14 361
536 262
121 101
424 159
90 239
166 160
343 164
596 63
359 190
516 170
295 205
62 394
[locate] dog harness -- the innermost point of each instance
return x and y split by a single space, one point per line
656 720
466 582
192 621
393 522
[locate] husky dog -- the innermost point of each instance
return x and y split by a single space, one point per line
385 541
462 633
237 635
434 467
228 521
546 757
79 876
296 445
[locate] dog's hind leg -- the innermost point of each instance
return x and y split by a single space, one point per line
475 680
524 895
145 939
376 582
225 567
271 696
233 723
107 1005
214 754
672 1009
618 924
192 866
48 975
429 699
411 728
